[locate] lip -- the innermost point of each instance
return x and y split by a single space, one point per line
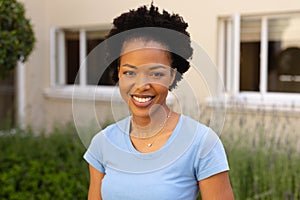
142 100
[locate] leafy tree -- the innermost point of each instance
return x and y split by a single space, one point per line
16 35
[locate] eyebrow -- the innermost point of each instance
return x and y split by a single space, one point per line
157 67
130 66
151 68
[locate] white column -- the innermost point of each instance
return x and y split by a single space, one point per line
263 56
82 61
221 56
61 58
21 94
57 57
236 53
229 55
52 57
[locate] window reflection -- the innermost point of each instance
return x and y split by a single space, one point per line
284 55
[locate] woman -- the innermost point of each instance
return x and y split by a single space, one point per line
143 165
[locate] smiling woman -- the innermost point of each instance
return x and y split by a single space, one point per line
155 153
144 78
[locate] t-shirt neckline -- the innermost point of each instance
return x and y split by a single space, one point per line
132 149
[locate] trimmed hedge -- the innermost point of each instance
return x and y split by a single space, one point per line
40 167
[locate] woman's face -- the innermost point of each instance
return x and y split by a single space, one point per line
144 76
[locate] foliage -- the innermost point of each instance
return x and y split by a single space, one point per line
264 173
263 152
16 35
263 166
42 167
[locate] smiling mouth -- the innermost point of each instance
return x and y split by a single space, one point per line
142 99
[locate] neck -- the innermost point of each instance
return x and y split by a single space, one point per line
150 125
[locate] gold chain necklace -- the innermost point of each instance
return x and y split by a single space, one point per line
157 133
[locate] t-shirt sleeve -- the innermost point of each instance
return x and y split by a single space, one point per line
211 158
93 154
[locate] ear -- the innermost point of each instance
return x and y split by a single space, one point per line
173 75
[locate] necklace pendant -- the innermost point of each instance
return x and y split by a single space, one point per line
149 145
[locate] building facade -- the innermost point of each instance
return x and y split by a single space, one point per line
251 47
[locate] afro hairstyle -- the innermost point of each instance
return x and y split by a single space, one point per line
167 29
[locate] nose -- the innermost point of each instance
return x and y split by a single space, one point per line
142 82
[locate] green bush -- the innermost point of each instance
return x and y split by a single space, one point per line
16 35
40 167
52 167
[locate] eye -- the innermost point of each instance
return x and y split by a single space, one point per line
129 73
157 74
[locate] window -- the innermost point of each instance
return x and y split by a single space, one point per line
260 55
69 50
74 61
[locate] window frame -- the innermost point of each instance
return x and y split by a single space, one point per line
58 86
231 75
83 90
57 40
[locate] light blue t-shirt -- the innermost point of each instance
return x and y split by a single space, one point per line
192 153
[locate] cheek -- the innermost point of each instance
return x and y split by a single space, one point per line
124 87
125 83
162 90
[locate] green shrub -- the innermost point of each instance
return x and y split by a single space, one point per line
52 167
16 35
40 167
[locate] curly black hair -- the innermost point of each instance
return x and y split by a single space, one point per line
167 29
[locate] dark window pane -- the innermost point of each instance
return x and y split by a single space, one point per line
287 72
250 66
93 62
284 54
72 56
97 71
273 52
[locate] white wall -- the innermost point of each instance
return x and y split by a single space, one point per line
37 65
201 15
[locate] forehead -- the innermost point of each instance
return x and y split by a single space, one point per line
141 43
140 52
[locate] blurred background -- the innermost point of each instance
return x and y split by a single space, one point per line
255 46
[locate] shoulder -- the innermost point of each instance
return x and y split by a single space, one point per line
112 132
119 126
190 133
191 125
203 136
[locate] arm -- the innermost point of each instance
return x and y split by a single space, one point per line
95 184
216 187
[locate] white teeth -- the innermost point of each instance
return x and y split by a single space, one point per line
142 100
